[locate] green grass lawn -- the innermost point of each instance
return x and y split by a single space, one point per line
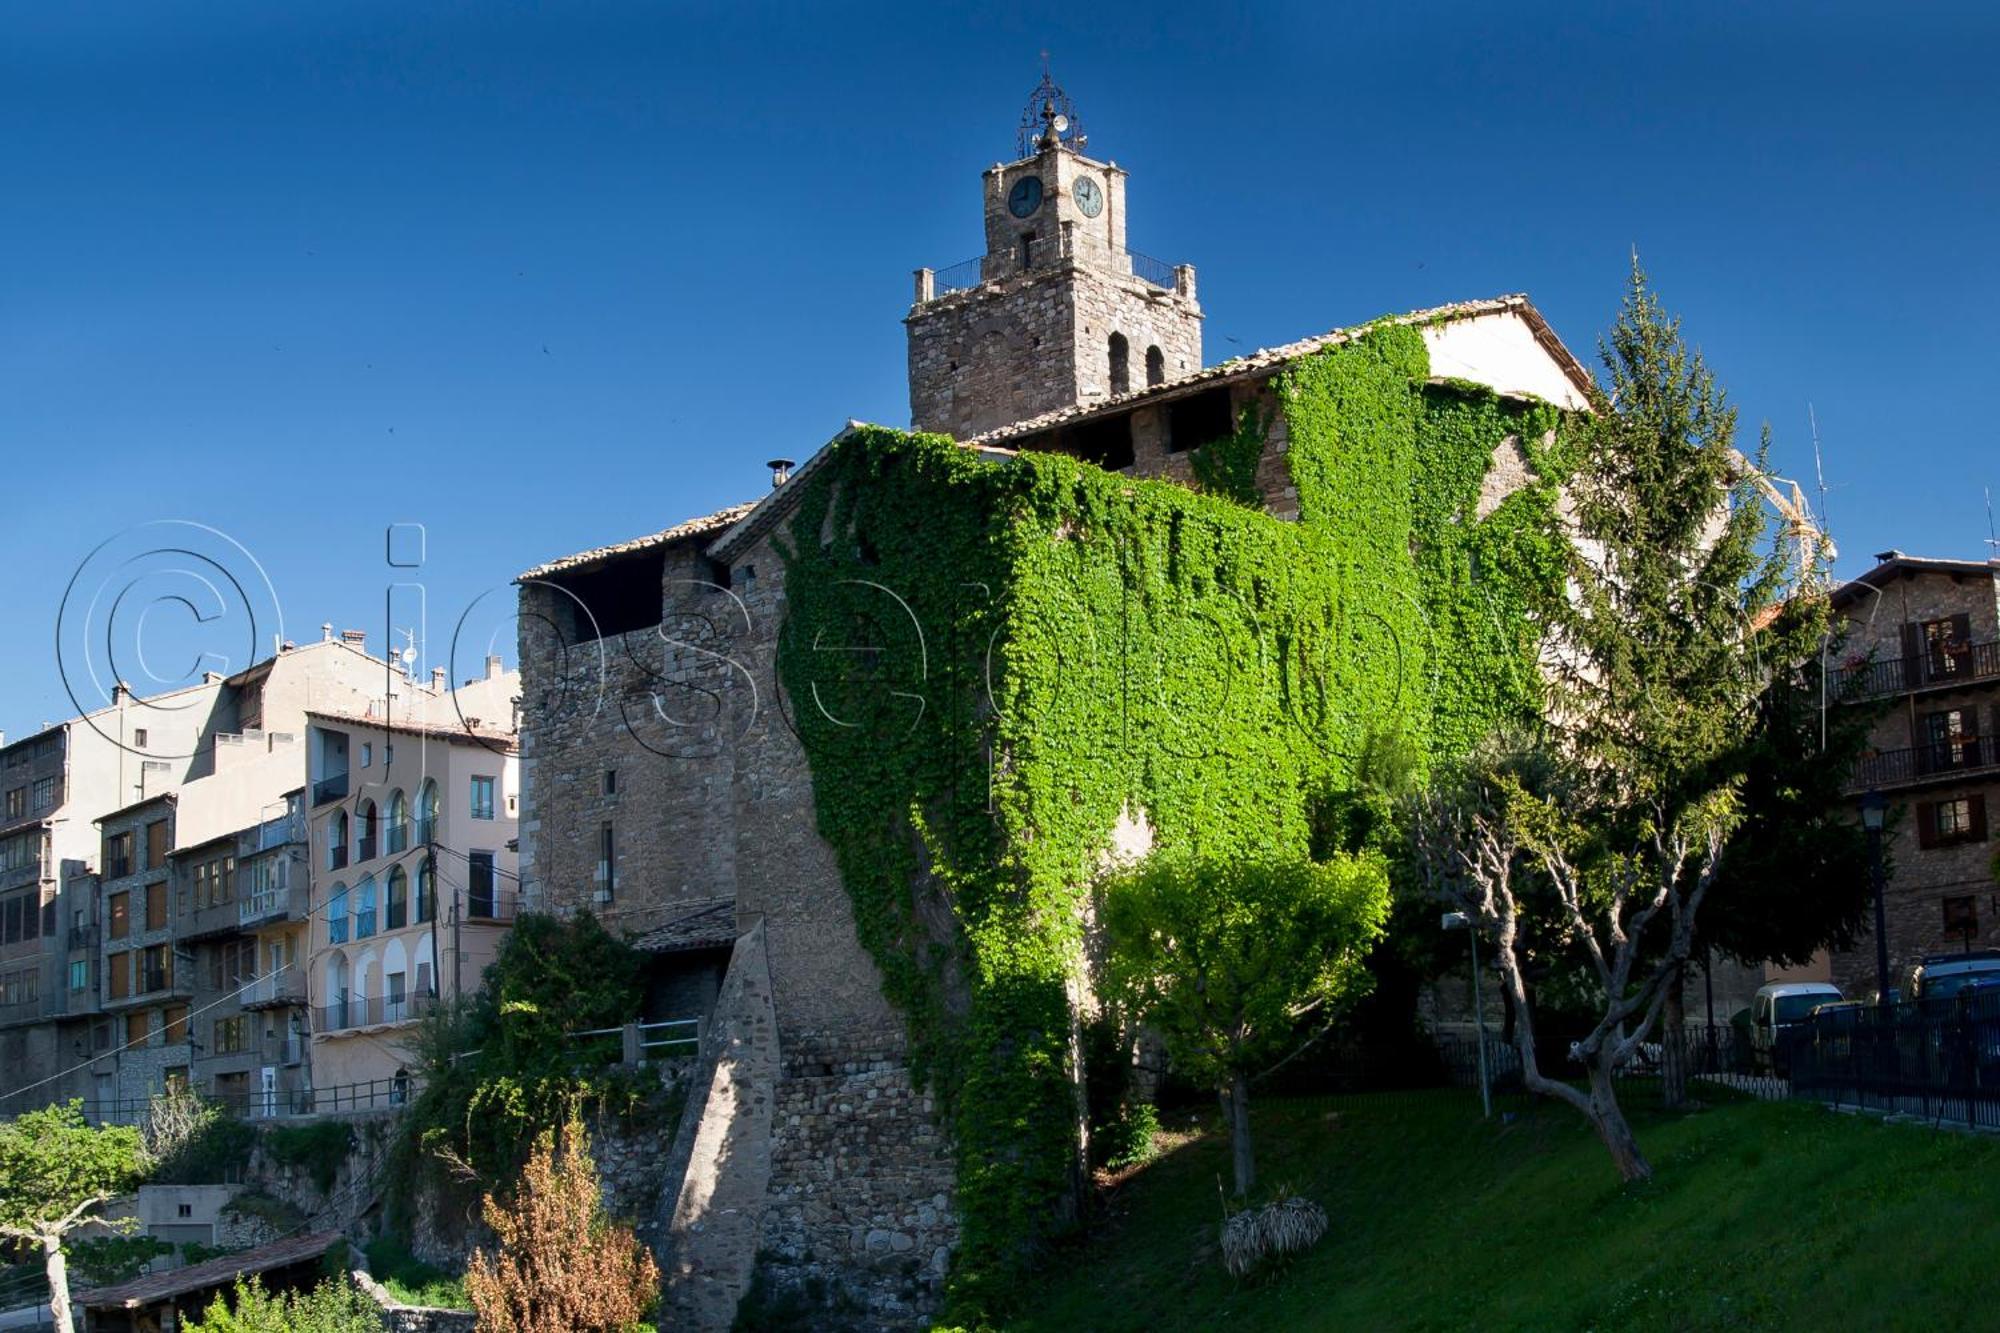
1759 1216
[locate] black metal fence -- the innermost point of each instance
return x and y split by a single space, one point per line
1939 1059
1699 1063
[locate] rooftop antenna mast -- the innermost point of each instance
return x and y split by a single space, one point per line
1992 542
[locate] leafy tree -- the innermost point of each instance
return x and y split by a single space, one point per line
560 1264
335 1306
1224 958
188 1139
56 1171
1609 833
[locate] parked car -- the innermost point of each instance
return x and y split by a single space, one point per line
1941 976
1779 1012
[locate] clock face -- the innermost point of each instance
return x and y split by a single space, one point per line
1089 196
1025 197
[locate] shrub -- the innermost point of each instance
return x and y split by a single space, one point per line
411 1280
104 1261
1128 1141
320 1147
560 1264
332 1307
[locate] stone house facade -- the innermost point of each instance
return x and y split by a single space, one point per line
1922 643
666 788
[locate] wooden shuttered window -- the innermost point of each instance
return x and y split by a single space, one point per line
1953 820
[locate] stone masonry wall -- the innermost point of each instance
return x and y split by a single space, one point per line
714 799
861 1215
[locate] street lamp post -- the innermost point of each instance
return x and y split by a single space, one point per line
1456 921
1873 809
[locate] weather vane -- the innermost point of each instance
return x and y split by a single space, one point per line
1049 118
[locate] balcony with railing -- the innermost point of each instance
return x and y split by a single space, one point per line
360 1011
271 903
285 987
1935 669
1940 762
329 788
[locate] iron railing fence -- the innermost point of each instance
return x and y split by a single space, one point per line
1145 268
255 1103
1939 1059
1931 668
368 1010
1037 253
1961 756
1702 1059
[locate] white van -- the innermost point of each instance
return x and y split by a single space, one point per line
1779 1006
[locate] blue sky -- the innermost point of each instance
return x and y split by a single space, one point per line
541 277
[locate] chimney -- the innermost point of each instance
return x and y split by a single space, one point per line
437 679
287 646
354 638
781 471
326 631
120 692
492 667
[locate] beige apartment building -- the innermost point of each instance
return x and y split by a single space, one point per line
414 874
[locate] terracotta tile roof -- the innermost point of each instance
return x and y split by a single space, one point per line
444 731
1269 359
693 527
155 1287
703 923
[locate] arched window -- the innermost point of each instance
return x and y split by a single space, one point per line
397 908
399 823
1156 367
336 915
364 908
336 840
1121 370
427 811
426 890
365 823
334 1016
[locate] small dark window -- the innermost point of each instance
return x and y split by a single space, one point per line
1198 419
1121 371
1156 367
1027 249
610 782
479 886
139 737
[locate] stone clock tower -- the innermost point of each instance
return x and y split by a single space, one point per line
1057 311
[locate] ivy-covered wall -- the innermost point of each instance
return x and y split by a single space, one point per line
990 662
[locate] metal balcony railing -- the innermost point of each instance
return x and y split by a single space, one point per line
286 987
1936 669
1041 252
330 788
369 1011
1963 757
